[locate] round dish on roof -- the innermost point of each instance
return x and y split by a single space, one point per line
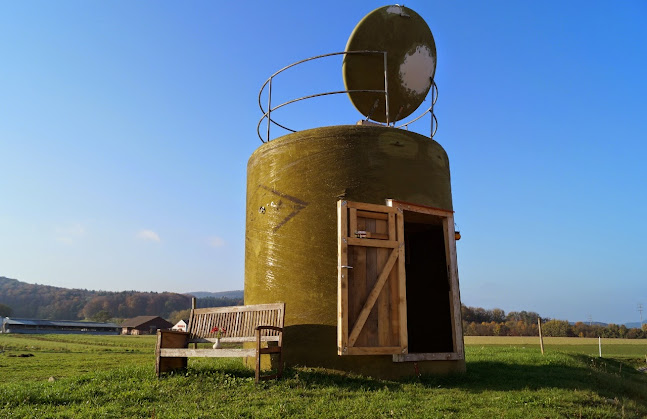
411 62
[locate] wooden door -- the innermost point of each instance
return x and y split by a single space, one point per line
372 309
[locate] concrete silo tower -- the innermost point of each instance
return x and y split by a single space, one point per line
352 226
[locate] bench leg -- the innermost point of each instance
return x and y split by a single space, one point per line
258 356
279 373
259 352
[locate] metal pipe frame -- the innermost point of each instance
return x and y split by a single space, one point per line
270 109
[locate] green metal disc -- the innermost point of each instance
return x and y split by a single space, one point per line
411 62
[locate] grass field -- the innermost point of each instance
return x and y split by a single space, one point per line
113 376
69 355
628 349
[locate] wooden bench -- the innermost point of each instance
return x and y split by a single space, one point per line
253 323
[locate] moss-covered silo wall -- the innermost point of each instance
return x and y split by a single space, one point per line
293 185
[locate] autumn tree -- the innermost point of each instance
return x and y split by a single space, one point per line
556 328
5 310
102 316
176 316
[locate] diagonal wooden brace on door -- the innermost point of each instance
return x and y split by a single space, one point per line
372 297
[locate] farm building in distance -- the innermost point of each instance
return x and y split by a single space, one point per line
181 326
144 325
13 325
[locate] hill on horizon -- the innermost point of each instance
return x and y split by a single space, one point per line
57 303
235 294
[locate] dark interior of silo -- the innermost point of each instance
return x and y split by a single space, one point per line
429 323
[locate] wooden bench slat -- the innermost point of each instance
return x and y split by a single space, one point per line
255 307
234 340
207 353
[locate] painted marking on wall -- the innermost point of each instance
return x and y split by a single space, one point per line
297 204
416 70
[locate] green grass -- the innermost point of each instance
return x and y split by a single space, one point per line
504 379
69 355
630 350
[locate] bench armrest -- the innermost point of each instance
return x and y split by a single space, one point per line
171 339
174 332
276 328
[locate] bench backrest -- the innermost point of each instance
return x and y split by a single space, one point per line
239 322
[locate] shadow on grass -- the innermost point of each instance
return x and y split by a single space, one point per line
321 377
606 377
310 377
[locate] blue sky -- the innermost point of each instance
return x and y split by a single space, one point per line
125 129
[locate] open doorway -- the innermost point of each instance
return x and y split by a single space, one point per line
434 328
429 323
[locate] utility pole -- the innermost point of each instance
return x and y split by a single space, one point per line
640 310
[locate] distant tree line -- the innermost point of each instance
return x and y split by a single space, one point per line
478 321
20 299
178 315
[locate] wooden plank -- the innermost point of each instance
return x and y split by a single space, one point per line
245 329
239 339
371 324
257 354
263 321
382 215
207 353
252 320
449 268
352 223
200 330
259 319
384 350
281 319
370 207
372 297
394 298
255 307
459 346
390 244
239 319
342 277
408 206
437 356
357 285
238 324
189 327
392 230
206 324
402 291
230 324
383 300
377 236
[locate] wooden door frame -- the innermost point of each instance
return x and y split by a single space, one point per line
452 268
347 213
